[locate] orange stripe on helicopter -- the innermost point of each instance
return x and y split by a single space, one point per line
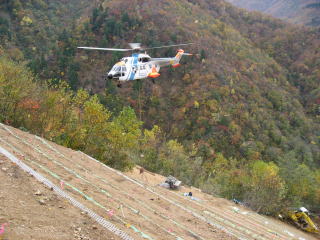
154 73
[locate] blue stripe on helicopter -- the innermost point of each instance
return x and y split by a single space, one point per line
134 65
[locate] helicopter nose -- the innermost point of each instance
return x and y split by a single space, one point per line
110 76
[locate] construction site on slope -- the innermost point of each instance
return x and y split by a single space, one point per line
51 192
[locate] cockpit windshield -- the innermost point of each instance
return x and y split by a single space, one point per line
116 68
119 69
144 59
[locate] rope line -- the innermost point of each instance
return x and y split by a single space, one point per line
80 192
169 200
109 226
228 222
209 213
212 215
139 184
128 206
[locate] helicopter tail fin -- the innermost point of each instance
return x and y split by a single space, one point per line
178 57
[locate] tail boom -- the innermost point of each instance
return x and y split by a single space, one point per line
178 57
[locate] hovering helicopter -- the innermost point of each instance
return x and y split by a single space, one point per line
140 65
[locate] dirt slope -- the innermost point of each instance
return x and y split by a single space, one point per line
133 202
34 212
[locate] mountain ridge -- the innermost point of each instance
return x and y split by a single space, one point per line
298 11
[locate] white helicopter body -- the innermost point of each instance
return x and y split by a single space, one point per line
140 65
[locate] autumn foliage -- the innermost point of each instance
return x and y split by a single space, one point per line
239 119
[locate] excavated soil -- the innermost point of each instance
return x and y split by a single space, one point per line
33 211
133 202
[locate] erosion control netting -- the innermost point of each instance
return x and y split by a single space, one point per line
206 214
55 175
109 226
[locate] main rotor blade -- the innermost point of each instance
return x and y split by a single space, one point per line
106 49
175 45
135 45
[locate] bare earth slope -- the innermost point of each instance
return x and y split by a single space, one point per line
133 202
27 218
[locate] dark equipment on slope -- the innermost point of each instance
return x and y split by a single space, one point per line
173 182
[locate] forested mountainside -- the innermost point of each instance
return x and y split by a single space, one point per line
295 11
240 118
30 29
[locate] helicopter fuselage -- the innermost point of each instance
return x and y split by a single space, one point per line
138 66
141 66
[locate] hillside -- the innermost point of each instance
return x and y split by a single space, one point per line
298 11
245 107
30 29
28 218
241 69
140 208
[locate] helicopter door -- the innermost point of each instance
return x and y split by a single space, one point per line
123 73
143 71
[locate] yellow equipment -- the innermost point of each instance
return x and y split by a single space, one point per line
302 220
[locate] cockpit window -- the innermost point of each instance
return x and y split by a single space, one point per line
143 59
116 69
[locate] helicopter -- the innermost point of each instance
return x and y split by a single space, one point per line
140 65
